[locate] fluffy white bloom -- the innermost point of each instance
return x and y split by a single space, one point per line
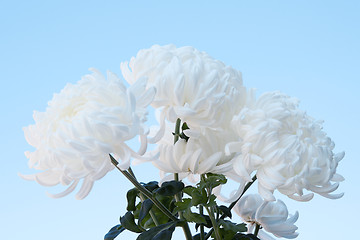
271 216
285 147
202 153
81 126
190 84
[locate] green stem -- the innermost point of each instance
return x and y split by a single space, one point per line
248 185
142 197
178 196
151 212
257 228
186 229
131 172
144 191
211 213
202 232
177 130
185 226
214 223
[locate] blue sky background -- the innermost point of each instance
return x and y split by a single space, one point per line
307 49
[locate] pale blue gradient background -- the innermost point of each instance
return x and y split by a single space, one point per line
307 49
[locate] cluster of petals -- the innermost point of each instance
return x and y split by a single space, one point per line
83 124
190 84
199 90
285 147
202 153
271 216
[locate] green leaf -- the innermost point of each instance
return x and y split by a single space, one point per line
166 234
225 210
152 232
149 222
137 211
165 200
146 205
194 217
182 134
184 126
114 232
212 180
128 222
208 222
211 202
199 196
151 186
184 205
170 188
131 199
230 226
168 202
172 205
188 190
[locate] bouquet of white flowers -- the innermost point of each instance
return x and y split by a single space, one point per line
211 129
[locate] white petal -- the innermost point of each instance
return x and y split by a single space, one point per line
337 178
303 198
233 147
266 193
66 192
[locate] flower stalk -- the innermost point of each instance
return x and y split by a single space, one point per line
211 213
213 222
143 190
202 232
142 198
248 185
177 130
178 196
257 228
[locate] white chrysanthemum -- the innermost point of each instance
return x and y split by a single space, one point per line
285 147
81 126
202 153
271 216
190 84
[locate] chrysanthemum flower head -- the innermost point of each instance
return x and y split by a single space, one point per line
271 216
81 126
285 148
190 84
